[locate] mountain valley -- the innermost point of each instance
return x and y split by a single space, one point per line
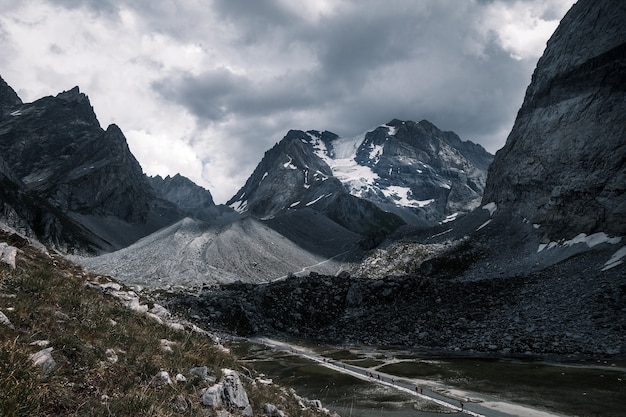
403 237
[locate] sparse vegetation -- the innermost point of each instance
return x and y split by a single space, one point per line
107 357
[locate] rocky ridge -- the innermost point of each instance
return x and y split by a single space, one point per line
290 177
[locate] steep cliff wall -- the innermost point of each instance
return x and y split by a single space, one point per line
564 162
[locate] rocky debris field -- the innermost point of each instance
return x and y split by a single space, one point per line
571 309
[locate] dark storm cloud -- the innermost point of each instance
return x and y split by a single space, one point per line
372 65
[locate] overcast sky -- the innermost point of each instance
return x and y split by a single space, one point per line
205 87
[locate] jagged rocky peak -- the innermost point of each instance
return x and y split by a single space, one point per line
181 190
415 170
8 97
564 163
73 94
284 174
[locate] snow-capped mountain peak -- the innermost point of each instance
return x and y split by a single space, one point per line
411 169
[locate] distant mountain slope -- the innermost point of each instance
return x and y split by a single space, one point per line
564 163
408 170
193 253
191 199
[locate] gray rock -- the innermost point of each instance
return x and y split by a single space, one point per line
234 394
4 320
228 393
8 254
272 411
564 163
199 371
44 360
212 396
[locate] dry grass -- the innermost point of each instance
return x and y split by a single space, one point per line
45 298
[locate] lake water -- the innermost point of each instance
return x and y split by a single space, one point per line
593 388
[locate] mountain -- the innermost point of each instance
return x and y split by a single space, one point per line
70 183
563 167
407 170
191 199
192 253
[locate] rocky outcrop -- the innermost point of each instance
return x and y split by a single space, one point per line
229 393
564 163
423 173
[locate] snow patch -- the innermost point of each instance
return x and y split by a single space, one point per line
392 130
289 164
240 208
591 241
402 197
491 207
317 199
346 148
294 204
375 152
264 175
450 218
483 225
615 260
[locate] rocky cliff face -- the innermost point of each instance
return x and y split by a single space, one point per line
564 164
406 170
69 182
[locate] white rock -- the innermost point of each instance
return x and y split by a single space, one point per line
111 355
161 311
154 317
44 359
111 285
180 378
175 326
7 254
166 345
164 377
5 320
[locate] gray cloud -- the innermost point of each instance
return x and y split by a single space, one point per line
266 67
370 66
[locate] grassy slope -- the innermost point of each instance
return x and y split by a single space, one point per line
45 298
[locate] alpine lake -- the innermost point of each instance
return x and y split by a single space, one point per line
571 388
